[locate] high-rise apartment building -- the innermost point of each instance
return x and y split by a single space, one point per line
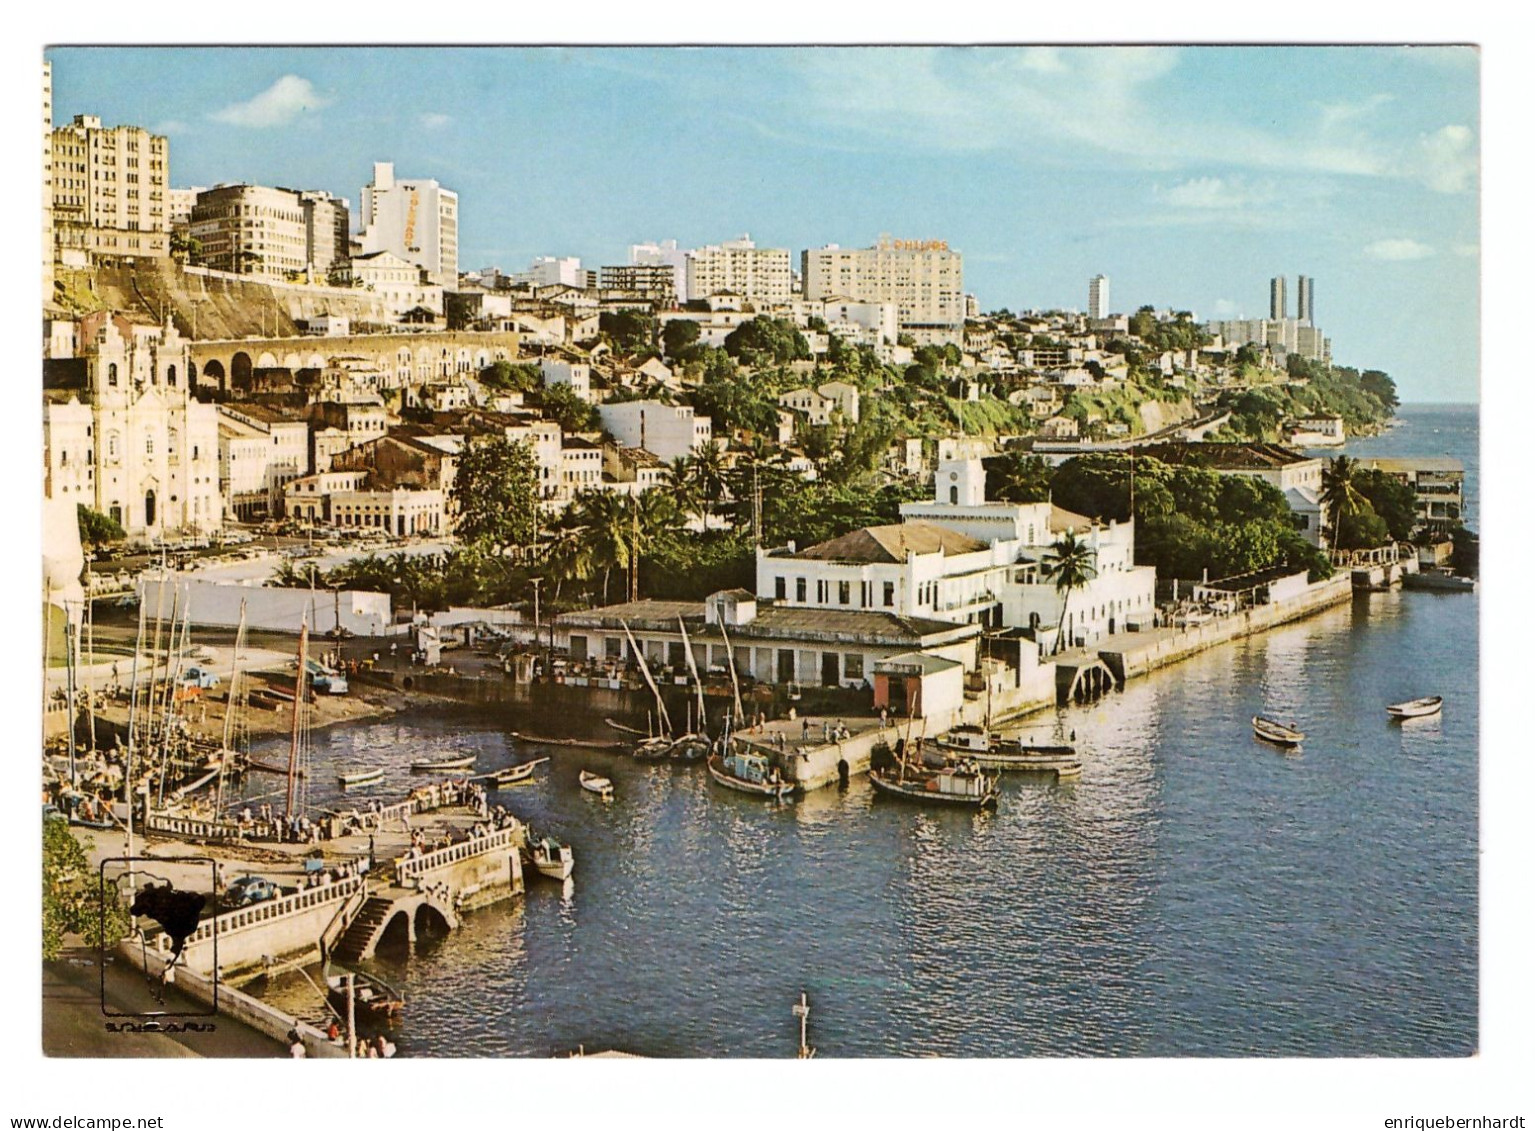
1304 294
1278 305
923 278
327 231
761 275
664 254
1098 297
108 192
250 230
47 179
416 220
652 282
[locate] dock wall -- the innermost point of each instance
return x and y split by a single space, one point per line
234 1004
1130 658
279 929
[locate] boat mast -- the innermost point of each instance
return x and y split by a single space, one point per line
133 703
229 709
662 719
730 658
698 684
298 707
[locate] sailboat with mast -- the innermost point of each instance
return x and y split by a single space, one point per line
653 747
694 745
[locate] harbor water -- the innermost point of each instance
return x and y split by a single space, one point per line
1197 892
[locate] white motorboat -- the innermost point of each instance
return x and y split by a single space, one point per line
1416 708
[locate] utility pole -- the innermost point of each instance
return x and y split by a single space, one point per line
535 582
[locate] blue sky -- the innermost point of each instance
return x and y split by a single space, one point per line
1188 175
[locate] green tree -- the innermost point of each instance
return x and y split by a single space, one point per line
1017 477
1340 497
72 896
563 405
630 331
505 375
97 529
1393 500
496 493
1070 563
1360 529
678 337
765 340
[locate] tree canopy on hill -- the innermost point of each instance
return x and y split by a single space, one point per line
1190 520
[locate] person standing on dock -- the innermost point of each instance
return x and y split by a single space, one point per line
804 734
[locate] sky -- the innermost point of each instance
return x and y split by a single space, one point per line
1188 175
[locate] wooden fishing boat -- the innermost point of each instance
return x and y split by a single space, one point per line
1276 732
552 859
963 784
625 729
374 1000
360 776
575 743
442 765
747 772
991 751
689 748
652 749
596 783
270 768
1416 708
1440 579
522 772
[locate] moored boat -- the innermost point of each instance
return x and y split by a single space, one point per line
442 765
1276 732
360 776
749 772
689 748
963 784
596 783
991 751
522 772
552 859
1416 708
374 1000
652 749
1439 579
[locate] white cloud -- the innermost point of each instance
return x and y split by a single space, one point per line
432 120
1225 308
277 105
1218 193
1447 159
1467 250
171 126
1398 250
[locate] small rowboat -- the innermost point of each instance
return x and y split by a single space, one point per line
513 775
1416 708
1276 732
596 783
553 859
349 778
374 1000
442 765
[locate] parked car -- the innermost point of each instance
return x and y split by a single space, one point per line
248 890
199 677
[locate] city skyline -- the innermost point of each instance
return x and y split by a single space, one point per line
1189 177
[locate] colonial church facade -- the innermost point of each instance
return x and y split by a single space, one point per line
141 448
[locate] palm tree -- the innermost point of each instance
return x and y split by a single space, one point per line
1071 563
682 485
1339 495
709 476
294 575
608 529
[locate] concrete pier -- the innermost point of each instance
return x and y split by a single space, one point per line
1136 654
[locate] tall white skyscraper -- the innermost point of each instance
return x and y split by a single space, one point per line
1304 295
416 220
1098 297
1278 304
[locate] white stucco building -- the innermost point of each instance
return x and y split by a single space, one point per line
664 430
416 220
137 447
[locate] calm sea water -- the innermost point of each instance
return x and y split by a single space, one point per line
1196 893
